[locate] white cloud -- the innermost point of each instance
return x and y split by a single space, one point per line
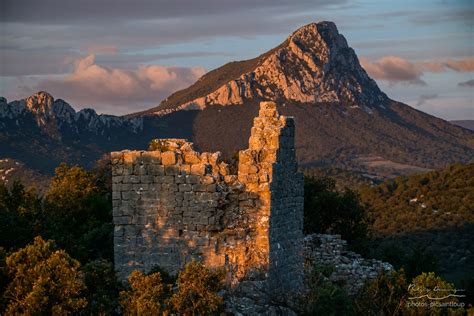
115 89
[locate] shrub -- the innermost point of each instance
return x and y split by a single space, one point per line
197 290
77 215
20 211
323 296
102 287
329 211
428 288
44 281
146 296
385 295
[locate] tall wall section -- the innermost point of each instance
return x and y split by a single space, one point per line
269 169
173 205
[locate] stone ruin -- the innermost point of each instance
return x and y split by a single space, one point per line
173 205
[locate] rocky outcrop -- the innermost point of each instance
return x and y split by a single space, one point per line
314 64
53 115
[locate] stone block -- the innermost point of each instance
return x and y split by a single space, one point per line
179 179
208 180
201 169
171 170
185 187
169 158
199 187
156 170
167 179
256 142
153 156
129 157
211 188
146 179
122 220
215 158
246 156
205 157
116 195
192 157
248 168
170 187
192 179
185 169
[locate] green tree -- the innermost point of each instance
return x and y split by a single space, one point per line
146 296
3 277
44 281
102 287
427 292
323 296
78 216
385 295
197 292
20 215
418 261
328 211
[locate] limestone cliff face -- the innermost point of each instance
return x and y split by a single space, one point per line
52 115
314 64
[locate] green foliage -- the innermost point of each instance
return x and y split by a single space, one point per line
197 290
430 217
77 214
4 280
428 288
385 295
434 200
194 292
146 296
102 287
343 178
413 261
328 211
418 261
165 276
20 211
45 281
391 294
323 296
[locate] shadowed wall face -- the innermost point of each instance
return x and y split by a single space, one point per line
174 205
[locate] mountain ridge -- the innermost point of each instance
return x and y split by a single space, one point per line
342 116
309 66
468 124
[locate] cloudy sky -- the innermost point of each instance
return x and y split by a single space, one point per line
123 56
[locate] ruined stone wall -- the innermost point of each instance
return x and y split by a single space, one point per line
269 169
351 270
173 205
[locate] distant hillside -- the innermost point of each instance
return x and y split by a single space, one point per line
343 118
469 124
12 170
434 210
437 199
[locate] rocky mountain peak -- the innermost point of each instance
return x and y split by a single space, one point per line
313 65
322 39
55 116
40 103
